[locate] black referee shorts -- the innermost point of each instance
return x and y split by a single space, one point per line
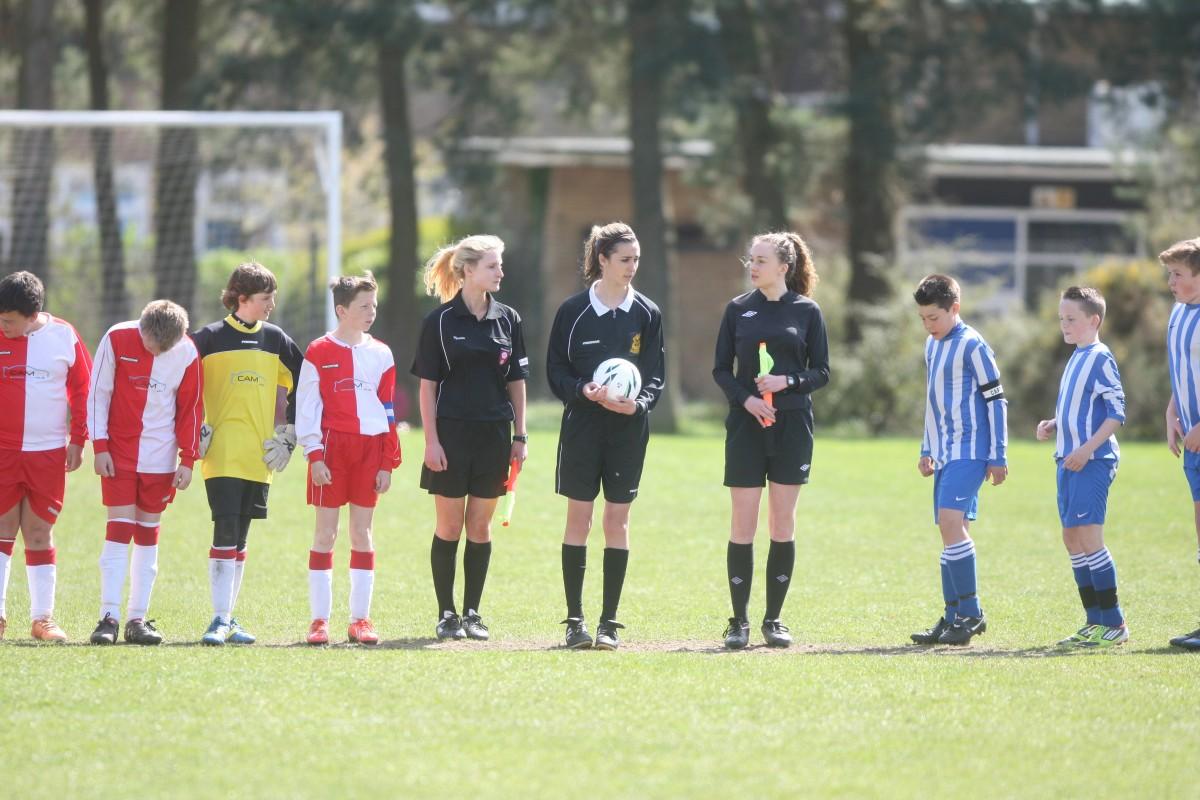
236 497
477 456
781 453
595 447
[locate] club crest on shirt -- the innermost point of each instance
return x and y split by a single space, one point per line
635 346
504 354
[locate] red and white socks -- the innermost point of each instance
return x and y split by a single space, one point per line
320 583
113 558
6 548
143 569
42 573
221 574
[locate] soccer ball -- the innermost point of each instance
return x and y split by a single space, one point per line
621 377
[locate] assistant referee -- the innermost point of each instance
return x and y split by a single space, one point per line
602 440
472 365
764 442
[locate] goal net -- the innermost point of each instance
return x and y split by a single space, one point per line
113 209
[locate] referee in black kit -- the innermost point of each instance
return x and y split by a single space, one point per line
769 442
472 365
602 439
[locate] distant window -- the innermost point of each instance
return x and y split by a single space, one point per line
1080 237
979 235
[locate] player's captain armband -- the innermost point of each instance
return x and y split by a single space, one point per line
992 391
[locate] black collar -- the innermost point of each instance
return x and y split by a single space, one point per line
460 307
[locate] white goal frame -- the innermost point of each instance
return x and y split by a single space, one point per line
329 162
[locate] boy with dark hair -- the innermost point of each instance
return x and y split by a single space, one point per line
44 372
249 366
346 425
1090 409
966 432
144 415
1182 261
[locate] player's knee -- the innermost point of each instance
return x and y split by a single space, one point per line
226 532
361 539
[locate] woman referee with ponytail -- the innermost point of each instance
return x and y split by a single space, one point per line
472 365
769 441
602 439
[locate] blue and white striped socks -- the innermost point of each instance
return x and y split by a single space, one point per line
1087 592
1104 581
948 594
960 562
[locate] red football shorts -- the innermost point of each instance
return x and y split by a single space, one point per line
149 491
39 475
354 460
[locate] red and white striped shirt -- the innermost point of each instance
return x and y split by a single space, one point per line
347 389
43 387
143 407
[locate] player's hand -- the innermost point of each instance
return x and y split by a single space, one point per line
183 478
74 456
1077 459
996 475
383 481
1045 428
594 392
1174 434
206 434
435 457
1191 442
760 410
518 453
618 405
277 451
321 476
103 464
771 383
925 466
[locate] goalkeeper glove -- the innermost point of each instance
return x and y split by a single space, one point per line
277 450
206 434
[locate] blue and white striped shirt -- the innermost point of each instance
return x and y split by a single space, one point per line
1183 357
966 415
1089 393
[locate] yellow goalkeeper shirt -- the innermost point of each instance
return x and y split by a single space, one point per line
243 365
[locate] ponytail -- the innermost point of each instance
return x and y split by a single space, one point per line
445 271
801 276
601 242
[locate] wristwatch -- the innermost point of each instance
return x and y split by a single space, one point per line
520 437
791 379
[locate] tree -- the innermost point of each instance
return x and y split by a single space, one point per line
647 27
113 298
177 159
34 147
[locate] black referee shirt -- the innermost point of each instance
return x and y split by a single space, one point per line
586 333
794 331
472 360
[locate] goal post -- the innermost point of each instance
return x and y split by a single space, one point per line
259 177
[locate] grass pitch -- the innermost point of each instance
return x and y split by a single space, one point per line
850 710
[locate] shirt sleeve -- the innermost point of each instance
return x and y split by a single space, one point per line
926 442
100 394
518 361
189 412
79 376
566 385
987 375
1108 388
817 350
387 391
290 359
309 409
431 362
724 358
652 363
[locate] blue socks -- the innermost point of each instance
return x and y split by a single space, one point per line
1104 582
960 563
1087 592
948 594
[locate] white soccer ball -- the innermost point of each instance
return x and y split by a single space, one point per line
620 377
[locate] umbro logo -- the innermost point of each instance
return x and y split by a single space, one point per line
804 467
736 581
781 578
749 314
